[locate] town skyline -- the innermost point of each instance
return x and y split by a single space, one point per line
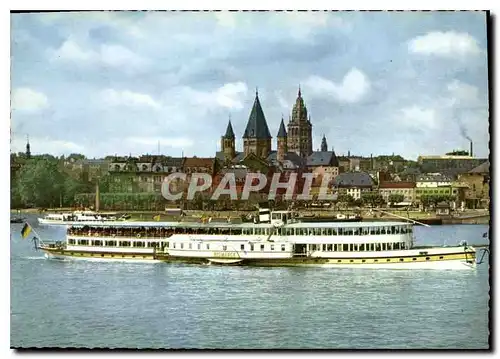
102 84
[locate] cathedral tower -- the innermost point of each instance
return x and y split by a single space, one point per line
257 138
227 143
282 142
300 129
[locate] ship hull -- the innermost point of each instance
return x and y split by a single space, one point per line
465 260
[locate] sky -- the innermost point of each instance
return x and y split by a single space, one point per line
132 83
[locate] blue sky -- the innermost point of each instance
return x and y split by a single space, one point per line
108 83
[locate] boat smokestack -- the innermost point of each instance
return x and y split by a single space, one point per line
471 153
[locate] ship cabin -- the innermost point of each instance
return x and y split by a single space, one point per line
277 234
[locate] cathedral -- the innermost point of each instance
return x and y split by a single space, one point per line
294 143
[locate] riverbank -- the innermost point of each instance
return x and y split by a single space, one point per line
466 217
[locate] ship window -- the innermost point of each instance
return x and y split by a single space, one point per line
251 247
282 247
334 232
324 247
339 261
208 246
384 247
378 247
388 260
401 259
190 246
351 260
362 247
272 247
242 247
402 245
375 260
345 247
414 259
427 258
363 261
441 257
110 243
261 247
224 248
329 247
102 255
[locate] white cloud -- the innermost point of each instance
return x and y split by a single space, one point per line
303 24
108 54
463 94
446 44
418 117
118 56
282 102
71 51
225 18
128 98
354 86
27 100
230 96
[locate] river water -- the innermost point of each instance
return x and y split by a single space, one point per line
124 305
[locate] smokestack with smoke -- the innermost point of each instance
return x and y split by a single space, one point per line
463 132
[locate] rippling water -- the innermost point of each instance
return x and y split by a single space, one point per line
102 304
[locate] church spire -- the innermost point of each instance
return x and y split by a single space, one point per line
229 130
324 145
282 130
257 124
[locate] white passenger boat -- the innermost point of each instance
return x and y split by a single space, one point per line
276 240
76 217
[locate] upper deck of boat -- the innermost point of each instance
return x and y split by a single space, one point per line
130 224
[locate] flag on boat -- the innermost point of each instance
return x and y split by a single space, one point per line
156 218
25 232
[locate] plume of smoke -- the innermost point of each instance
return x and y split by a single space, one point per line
463 132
